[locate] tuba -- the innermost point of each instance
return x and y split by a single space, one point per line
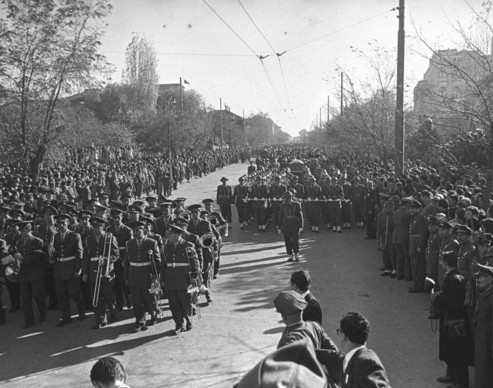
207 240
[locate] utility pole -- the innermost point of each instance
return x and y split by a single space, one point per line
342 93
399 110
221 120
181 103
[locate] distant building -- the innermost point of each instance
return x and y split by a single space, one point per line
444 92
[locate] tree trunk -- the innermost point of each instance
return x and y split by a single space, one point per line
35 163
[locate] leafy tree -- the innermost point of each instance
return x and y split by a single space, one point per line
48 49
140 74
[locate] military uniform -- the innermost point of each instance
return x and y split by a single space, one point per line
46 233
432 256
224 196
31 278
122 235
400 240
447 244
139 274
335 195
312 194
240 194
66 272
259 193
418 235
178 272
96 249
347 189
290 222
358 203
276 192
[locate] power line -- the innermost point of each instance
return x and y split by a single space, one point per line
273 50
231 28
189 54
260 57
337 31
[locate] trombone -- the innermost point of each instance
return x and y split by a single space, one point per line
155 289
99 273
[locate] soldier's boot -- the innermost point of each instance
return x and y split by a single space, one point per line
290 257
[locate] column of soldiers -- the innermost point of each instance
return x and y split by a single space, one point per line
104 258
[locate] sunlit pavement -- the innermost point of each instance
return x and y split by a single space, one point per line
241 325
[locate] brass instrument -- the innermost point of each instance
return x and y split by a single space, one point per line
155 289
105 260
207 240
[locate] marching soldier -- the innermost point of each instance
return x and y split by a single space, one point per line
200 227
122 233
418 236
30 255
46 232
276 194
358 202
259 193
312 195
179 272
165 220
100 253
240 195
290 224
224 196
347 188
222 225
335 196
67 269
141 251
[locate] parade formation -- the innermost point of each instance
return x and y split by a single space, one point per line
104 255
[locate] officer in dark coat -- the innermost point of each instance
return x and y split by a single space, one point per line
139 273
224 197
30 255
290 224
449 303
100 253
67 269
166 218
122 233
178 273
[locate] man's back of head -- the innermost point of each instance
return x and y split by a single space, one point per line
302 280
355 327
108 372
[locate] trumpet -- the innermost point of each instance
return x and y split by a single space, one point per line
105 260
207 240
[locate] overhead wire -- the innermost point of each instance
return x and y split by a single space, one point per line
260 57
337 31
278 56
189 54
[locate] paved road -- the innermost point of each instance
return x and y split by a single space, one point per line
240 326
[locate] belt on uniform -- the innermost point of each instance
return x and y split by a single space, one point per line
144 264
95 258
69 258
174 265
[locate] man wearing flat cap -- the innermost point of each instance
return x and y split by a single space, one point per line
290 304
100 253
224 199
418 235
483 349
179 272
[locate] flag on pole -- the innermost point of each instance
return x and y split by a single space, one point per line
186 82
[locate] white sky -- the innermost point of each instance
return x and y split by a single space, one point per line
190 27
